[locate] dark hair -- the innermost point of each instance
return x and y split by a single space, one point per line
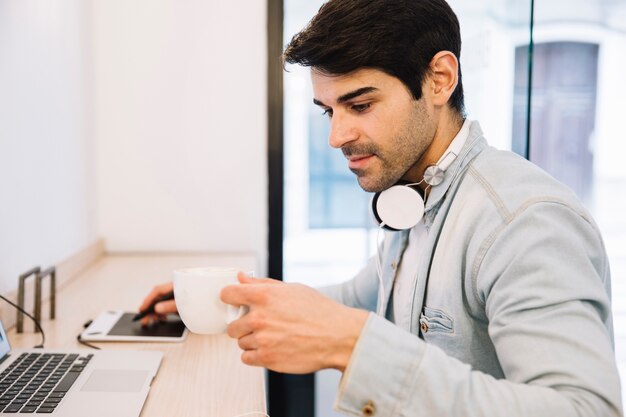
398 37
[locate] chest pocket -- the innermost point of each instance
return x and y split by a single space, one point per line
433 320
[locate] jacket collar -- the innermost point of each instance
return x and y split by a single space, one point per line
467 153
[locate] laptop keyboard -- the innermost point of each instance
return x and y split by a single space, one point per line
37 382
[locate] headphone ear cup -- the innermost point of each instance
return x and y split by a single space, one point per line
399 207
375 214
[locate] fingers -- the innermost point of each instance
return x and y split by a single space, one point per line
251 357
151 319
166 307
161 309
240 328
245 279
254 291
238 295
248 342
156 292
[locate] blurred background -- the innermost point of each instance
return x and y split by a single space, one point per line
170 126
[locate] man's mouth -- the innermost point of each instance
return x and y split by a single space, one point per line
359 161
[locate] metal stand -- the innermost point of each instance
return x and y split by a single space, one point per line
39 276
51 272
21 296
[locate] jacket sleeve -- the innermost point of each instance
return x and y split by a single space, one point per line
359 292
543 280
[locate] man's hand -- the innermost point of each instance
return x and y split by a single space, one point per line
161 309
291 327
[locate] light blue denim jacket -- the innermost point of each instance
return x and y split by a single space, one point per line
513 303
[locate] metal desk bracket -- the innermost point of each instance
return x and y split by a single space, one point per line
39 276
51 272
21 295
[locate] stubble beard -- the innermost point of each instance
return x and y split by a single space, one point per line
404 151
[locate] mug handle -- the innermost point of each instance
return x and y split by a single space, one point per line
235 313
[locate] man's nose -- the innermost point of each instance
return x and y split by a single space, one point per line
342 131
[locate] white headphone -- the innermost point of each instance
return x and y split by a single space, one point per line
401 206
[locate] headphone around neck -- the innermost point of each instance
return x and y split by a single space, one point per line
401 206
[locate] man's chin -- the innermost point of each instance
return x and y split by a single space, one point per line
371 186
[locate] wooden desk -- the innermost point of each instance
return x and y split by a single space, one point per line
202 376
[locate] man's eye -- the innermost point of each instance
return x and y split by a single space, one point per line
328 112
361 107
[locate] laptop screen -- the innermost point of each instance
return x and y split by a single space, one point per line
4 342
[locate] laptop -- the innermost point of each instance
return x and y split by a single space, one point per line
78 383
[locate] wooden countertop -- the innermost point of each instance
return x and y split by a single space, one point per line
202 376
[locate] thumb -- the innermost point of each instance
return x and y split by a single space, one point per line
246 279
166 307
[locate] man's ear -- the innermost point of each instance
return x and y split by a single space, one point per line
443 77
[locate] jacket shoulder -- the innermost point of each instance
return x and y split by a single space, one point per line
511 183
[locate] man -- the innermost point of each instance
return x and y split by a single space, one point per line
496 303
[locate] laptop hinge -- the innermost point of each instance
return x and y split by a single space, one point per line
4 358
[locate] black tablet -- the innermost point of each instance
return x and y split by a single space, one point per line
118 326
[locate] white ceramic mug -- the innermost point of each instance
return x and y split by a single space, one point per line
197 294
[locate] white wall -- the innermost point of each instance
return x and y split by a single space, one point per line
143 123
46 157
180 104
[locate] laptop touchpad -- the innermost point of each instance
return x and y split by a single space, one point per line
115 381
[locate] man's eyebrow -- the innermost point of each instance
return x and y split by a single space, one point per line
348 96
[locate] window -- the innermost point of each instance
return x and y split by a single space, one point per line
575 134
335 199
